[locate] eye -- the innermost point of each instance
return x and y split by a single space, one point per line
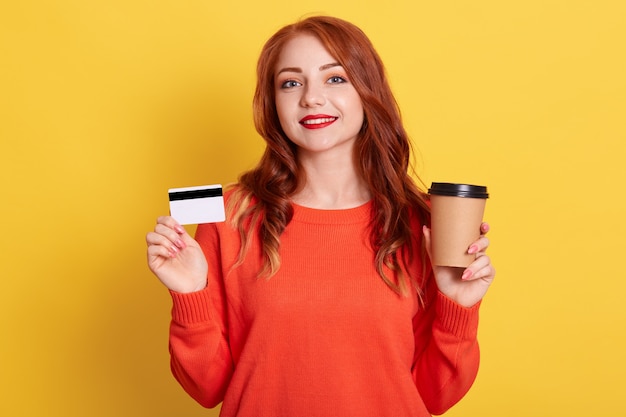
290 84
336 80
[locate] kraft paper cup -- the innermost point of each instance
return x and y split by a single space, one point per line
456 215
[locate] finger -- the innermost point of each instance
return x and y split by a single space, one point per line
480 268
479 246
487 273
154 239
170 222
159 251
171 234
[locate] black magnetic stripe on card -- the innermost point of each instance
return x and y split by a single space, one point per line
189 195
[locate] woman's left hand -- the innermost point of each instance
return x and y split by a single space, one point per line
466 286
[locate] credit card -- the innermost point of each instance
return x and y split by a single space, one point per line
196 205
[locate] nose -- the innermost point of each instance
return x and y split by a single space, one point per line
312 96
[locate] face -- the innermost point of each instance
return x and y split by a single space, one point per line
318 107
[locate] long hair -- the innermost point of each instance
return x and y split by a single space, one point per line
261 201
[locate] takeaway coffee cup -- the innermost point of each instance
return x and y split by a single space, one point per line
456 215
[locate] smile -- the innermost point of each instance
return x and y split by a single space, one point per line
317 121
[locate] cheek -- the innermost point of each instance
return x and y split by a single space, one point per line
288 122
280 111
350 102
284 109
355 106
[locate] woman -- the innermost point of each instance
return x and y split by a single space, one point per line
316 296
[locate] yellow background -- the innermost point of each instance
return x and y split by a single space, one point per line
104 105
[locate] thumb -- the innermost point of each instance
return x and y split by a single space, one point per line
426 233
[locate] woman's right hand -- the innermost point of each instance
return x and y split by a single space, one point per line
175 257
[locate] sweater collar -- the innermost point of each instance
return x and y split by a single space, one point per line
359 214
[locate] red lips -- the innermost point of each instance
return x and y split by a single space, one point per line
317 121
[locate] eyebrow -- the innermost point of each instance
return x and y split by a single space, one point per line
299 70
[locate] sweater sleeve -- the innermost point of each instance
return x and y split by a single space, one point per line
201 360
447 354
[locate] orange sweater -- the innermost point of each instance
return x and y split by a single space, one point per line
325 336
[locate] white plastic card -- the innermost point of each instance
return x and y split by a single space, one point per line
196 205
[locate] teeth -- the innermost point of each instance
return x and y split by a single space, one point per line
319 121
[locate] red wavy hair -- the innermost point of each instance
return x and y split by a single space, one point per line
261 201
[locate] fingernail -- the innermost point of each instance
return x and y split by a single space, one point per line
180 244
466 274
179 229
472 249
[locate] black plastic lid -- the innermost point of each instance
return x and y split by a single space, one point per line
458 190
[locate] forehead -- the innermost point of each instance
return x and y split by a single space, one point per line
302 51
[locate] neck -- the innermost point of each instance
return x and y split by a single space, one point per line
331 183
